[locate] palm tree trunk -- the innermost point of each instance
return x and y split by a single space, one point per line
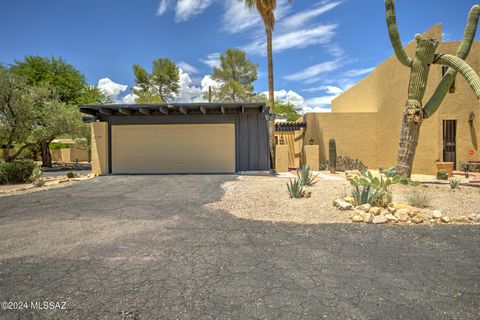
408 144
271 124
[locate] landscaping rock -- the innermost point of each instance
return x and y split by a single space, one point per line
307 194
445 219
343 205
379 219
357 218
463 219
391 217
392 210
367 217
474 217
418 218
350 175
400 205
402 215
414 213
375 210
349 200
437 214
364 207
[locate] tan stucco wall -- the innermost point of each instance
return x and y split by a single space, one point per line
343 128
100 148
382 94
69 155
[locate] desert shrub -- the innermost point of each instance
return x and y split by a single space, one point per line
345 163
454 183
56 145
418 199
306 177
70 175
18 172
442 174
295 188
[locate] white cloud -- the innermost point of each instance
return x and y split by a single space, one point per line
237 17
207 81
315 104
301 18
191 93
111 88
314 71
321 34
212 60
129 98
358 72
328 89
184 9
188 68
162 7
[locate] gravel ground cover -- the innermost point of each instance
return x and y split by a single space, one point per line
266 199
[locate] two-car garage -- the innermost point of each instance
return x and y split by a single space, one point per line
173 148
178 139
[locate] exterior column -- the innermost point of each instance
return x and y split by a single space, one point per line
100 148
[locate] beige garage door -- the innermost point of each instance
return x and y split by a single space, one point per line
179 148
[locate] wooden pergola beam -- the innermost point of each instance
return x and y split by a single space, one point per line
125 111
105 111
145 111
163 110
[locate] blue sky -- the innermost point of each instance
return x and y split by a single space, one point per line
321 47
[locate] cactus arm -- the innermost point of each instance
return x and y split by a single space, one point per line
462 67
444 86
394 35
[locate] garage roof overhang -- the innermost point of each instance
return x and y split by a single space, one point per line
172 109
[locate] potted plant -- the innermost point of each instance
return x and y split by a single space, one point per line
447 166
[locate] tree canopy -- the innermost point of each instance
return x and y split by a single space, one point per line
287 110
236 75
162 85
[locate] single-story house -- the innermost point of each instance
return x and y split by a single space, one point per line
179 138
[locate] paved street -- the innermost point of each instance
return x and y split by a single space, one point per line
146 246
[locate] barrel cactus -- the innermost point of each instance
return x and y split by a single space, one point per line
425 55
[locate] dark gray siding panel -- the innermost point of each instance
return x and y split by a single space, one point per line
251 134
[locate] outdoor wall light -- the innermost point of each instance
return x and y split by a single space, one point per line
471 117
281 140
311 141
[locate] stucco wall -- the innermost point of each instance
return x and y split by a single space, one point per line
344 128
100 148
384 93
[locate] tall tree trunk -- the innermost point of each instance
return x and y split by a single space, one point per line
408 144
46 156
271 95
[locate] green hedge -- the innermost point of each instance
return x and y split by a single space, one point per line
18 172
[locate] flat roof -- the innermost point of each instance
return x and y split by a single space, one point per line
172 108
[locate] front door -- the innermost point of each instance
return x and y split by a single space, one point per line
449 141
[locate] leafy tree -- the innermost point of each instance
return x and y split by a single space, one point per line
68 83
16 114
161 85
54 88
287 110
236 75
266 9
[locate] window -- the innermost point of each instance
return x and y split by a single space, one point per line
452 87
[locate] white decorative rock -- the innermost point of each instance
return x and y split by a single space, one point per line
379 219
391 217
364 207
437 214
445 219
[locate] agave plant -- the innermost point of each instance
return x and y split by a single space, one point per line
454 183
295 188
365 194
306 177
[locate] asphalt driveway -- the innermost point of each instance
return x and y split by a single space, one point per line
146 246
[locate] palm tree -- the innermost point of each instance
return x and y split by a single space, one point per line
266 9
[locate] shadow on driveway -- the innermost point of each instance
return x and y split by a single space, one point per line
146 245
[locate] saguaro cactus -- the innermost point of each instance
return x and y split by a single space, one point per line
425 55
332 155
